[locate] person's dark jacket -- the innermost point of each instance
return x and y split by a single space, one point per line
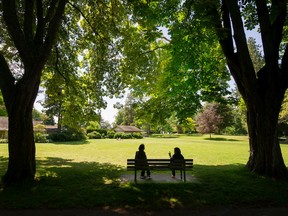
176 159
141 156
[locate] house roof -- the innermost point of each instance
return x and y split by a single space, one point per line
127 128
4 123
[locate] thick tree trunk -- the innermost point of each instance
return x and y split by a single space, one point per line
33 36
21 166
263 91
265 153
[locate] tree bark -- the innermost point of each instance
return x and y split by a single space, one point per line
265 153
21 166
34 47
263 91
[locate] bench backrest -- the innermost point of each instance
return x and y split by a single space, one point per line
159 164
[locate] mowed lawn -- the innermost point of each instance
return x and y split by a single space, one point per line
87 175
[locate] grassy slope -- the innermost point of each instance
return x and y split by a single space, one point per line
86 175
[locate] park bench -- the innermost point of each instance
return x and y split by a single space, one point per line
159 164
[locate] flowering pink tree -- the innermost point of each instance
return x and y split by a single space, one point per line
208 121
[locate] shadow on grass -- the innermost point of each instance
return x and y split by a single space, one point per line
221 139
62 183
166 136
83 142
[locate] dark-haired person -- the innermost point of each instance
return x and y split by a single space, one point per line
141 158
177 156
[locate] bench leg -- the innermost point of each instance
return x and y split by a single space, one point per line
135 176
184 175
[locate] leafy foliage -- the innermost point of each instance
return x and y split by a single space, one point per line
92 126
191 67
68 134
121 135
94 135
111 134
255 53
40 137
99 52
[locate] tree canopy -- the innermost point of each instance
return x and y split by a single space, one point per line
82 50
260 86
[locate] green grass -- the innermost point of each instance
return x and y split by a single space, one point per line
86 175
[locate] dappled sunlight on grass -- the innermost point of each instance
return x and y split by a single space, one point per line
173 202
89 176
48 174
72 184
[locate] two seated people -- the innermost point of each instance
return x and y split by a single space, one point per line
142 158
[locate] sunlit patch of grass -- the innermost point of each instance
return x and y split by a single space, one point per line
88 175
173 202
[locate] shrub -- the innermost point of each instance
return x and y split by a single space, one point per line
102 131
94 135
39 128
110 134
137 135
68 134
3 134
92 126
234 131
40 137
121 135
127 136
3 140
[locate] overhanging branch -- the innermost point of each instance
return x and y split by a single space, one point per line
14 29
7 80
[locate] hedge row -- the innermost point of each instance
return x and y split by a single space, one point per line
113 135
70 134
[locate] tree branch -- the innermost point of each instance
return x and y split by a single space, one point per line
57 66
29 21
266 31
278 14
247 71
7 80
39 36
51 11
152 50
224 34
52 29
226 31
14 29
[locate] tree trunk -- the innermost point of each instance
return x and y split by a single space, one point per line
21 167
263 91
265 153
33 33
22 162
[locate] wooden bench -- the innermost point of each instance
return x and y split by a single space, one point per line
159 164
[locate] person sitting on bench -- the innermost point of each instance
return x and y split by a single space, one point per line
141 156
176 156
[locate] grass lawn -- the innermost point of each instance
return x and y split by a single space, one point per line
86 175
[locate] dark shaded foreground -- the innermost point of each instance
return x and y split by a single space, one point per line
211 211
